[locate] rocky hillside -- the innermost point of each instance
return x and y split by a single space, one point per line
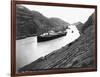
89 22
75 55
30 23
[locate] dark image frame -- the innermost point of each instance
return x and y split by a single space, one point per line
54 71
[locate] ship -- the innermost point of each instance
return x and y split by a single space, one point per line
50 36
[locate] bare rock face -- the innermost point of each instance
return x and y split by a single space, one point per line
79 54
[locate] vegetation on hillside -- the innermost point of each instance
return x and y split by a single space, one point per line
30 23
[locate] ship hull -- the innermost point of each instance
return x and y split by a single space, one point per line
49 37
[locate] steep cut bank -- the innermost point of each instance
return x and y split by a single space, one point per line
79 53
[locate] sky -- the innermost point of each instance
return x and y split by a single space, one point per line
68 14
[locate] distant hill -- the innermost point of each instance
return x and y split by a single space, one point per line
30 23
79 25
90 21
59 24
78 54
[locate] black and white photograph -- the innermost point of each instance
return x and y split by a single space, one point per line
54 37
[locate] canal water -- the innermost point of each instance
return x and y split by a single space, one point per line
29 50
